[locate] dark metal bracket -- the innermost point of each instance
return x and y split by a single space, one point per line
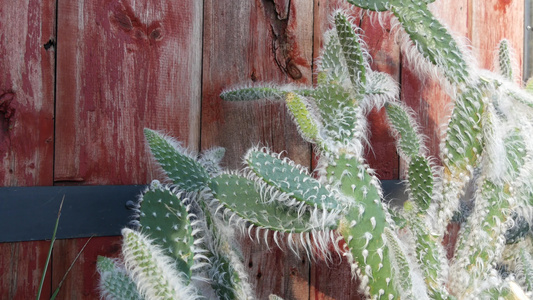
30 213
528 40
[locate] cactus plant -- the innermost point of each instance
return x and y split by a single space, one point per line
397 253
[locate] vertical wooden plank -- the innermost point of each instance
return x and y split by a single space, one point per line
493 20
22 265
26 92
26 128
247 42
123 65
381 156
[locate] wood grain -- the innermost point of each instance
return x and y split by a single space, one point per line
247 42
26 92
26 128
22 266
124 66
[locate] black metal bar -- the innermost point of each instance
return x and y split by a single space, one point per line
29 213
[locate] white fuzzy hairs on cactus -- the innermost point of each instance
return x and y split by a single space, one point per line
318 235
152 270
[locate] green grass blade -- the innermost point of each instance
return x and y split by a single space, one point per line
50 250
54 295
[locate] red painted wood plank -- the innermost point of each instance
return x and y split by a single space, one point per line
26 93
493 20
247 42
21 266
26 128
124 66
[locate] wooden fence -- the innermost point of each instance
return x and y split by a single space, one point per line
80 80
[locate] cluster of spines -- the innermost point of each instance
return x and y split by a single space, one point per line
180 166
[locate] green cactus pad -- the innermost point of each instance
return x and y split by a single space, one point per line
431 39
364 223
181 168
483 240
253 93
430 256
409 141
384 5
222 280
307 123
505 64
402 270
332 65
522 97
152 270
114 281
290 178
464 138
226 271
163 217
337 111
420 178
239 195
351 50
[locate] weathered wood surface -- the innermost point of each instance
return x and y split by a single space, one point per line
26 128
247 42
125 65
493 20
